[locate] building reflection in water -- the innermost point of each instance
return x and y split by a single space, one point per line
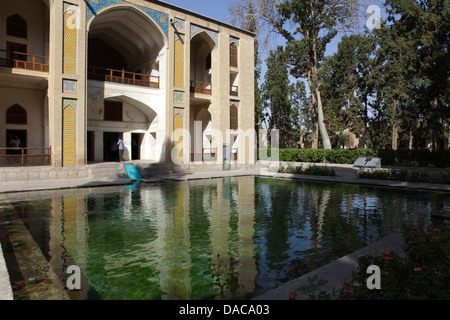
157 240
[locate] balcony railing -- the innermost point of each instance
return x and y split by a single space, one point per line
234 91
201 87
20 157
20 60
123 77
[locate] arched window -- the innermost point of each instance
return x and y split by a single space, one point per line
16 26
16 115
234 124
233 55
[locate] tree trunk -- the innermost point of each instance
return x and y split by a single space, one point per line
411 139
322 128
394 137
394 128
314 117
366 121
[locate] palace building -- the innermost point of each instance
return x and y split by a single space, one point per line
76 75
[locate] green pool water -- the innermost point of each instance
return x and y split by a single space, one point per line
158 241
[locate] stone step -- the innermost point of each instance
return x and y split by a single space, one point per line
107 171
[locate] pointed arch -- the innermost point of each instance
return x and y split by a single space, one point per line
16 26
16 114
233 55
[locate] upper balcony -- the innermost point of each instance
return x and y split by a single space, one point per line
25 61
201 87
123 77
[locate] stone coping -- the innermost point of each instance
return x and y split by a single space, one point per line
335 272
5 285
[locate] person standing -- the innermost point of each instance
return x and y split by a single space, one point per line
121 148
15 143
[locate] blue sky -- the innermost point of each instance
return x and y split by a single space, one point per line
211 8
218 10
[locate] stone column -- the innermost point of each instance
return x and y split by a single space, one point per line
67 84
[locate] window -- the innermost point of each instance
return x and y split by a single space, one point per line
113 110
16 26
16 115
15 50
234 117
233 55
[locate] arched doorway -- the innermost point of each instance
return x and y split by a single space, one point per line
202 47
125 46
125 51
122 117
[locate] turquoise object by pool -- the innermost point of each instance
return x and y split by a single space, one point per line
133 172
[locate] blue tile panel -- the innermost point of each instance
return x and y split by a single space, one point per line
160 18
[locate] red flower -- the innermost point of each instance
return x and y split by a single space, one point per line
293 295
424 267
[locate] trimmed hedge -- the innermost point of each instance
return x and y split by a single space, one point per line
421 158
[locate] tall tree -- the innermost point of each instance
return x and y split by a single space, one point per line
346 81
315 23
275 93
424 26
300 115
307 26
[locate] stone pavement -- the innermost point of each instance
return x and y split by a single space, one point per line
335 272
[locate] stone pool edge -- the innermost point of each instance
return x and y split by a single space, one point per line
335 272
6 292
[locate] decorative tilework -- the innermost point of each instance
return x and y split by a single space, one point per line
178 139
178 96
70 86
235 40
70 41
179 63
160 18
69 132
179 25
197 29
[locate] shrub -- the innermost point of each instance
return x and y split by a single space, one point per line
310 170
423 158
404 175
424 272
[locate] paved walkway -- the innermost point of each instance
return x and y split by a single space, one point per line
334 272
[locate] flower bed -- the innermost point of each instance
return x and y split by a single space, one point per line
423 273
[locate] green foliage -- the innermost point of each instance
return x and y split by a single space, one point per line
405 175
420 158
226 279
424 272
312 289
309 170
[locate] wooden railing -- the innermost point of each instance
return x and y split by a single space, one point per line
22 60
123 77
201 87
234 91
19 157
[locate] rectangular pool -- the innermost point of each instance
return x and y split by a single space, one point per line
158 241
